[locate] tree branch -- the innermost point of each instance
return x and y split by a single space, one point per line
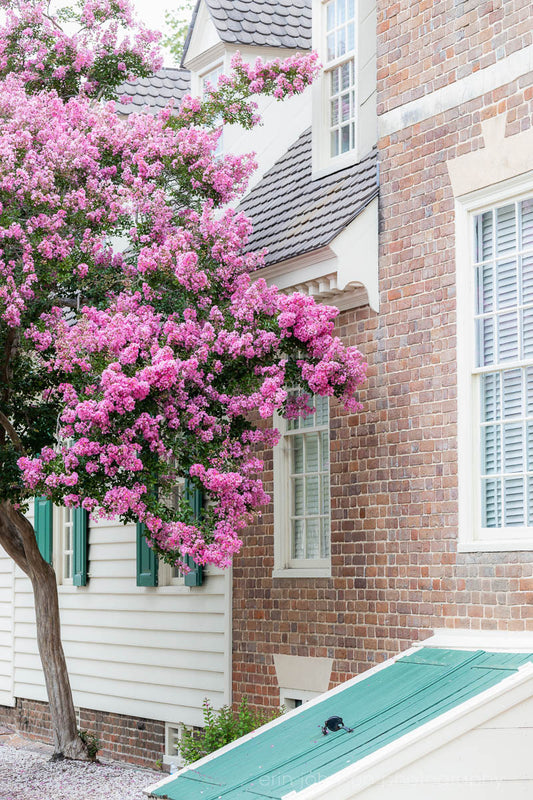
11 432
11 540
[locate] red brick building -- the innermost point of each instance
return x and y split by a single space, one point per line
430 489
401 190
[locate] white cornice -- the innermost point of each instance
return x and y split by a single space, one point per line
343 274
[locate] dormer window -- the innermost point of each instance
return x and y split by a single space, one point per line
340 75
344 96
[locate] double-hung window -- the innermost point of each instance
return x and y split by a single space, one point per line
501 395
340 73
302 494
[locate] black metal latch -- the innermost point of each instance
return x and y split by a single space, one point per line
335 724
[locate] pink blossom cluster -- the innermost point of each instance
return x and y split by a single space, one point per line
175 355
102 51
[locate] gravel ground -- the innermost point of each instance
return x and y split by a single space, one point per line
26 775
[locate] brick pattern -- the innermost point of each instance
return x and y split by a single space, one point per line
130 739
428 44
396 573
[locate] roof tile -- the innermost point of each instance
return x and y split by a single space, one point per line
293 214
154 93
270 18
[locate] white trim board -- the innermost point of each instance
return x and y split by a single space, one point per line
504 71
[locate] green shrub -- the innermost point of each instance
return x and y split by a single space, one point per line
92 741
221 727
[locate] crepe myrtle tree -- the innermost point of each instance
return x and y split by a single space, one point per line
127 367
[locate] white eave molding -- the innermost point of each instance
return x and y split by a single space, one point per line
343 274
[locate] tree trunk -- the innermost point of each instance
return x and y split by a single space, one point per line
17 536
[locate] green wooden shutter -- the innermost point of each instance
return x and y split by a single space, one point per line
80 542
146 560
196 499
43 527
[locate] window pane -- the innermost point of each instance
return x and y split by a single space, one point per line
322 410
514 501
341 12
526 208
512 393
483 228
513 448
530 502
325 538
299 497
330 16
335 77
530 446
325 495
527 279
490 397
508 336
507 285
490 450
527 332
485 338
298 544
331 47
334 143
492 504
297 454
312 495
351 9
345 75
312 537
311 452
529 391
351 37
345 139
341 42
324 451
485 290
335 111
505 229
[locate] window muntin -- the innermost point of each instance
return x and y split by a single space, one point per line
503 266
309 486
340 75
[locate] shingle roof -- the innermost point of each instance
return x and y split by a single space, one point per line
155 92
292 753
293 214
273 23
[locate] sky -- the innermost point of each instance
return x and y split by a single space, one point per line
152 13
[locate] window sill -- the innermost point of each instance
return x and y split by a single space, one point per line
311 572
494 545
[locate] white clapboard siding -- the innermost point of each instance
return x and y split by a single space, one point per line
147 652
6 629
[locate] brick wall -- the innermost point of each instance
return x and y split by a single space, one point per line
396 573
428 44
132 739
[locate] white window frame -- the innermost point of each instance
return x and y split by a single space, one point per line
323 161
472 537
284 565
59 536
288 696
173 759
